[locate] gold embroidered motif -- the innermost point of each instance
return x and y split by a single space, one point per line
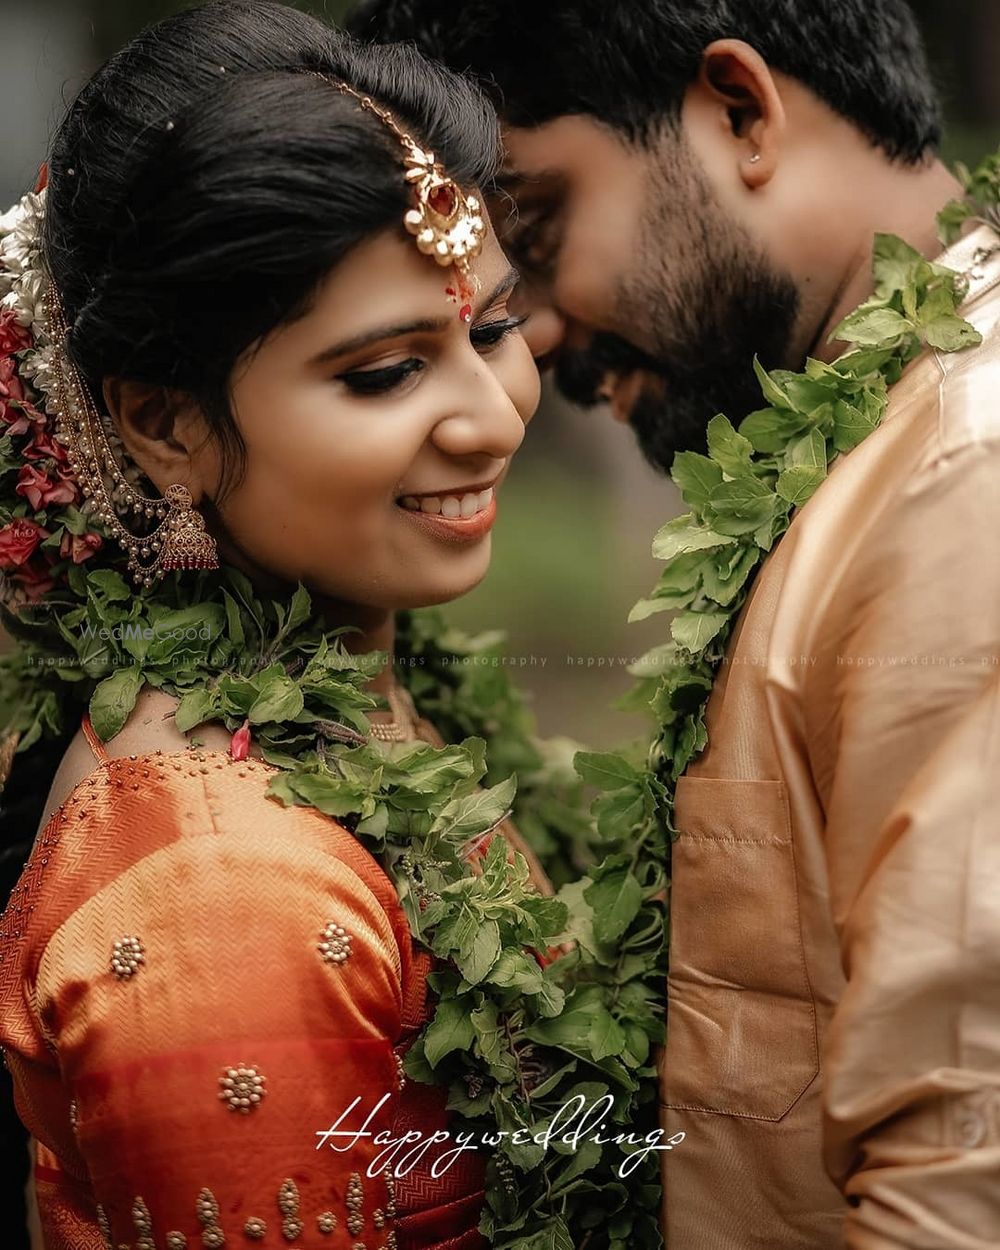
207 1209
288 1205
143 1223
335 944
390 1184
105 1226
355 1204
126 956
242 1089
255 1229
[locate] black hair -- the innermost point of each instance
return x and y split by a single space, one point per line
203 184
628 63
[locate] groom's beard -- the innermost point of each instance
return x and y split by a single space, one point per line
707 305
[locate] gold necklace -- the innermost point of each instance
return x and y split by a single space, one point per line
402 727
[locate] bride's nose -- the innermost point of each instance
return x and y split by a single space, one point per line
482 420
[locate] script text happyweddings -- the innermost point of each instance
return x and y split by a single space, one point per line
574 1123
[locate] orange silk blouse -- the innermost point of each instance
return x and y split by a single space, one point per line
196 982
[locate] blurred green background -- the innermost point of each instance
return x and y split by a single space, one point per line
580 506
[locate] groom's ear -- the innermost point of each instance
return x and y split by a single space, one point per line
736 79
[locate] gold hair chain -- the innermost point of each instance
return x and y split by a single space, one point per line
179 540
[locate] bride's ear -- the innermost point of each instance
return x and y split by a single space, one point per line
738 79
164 432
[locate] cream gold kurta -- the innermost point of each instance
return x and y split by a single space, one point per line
833 1050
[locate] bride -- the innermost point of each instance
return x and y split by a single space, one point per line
259 362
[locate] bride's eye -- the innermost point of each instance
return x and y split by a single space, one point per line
380 381
493 333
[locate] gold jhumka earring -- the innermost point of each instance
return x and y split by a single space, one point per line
179 540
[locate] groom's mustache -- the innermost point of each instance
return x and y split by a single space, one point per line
581 372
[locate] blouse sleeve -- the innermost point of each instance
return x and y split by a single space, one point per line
215 1007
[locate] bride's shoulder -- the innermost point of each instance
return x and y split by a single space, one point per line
164 830
149 729
151 787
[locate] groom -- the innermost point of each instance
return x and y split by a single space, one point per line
698 182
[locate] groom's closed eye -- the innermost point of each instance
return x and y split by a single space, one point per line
532 240
527 211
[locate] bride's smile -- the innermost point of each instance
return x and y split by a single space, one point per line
378 426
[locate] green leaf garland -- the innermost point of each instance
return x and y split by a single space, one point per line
514 1042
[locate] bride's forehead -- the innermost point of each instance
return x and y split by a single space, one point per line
385 281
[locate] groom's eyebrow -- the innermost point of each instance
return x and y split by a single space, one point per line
425 325
511 180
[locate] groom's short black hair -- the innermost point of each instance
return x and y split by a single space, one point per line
629 62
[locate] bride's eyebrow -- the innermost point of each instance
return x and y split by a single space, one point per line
426 325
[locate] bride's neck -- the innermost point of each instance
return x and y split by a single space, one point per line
375 630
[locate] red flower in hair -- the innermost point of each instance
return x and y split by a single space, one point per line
17 422
43 446
16 411
11 386
33 581
43 177
19 540
13 337
40 490
79 547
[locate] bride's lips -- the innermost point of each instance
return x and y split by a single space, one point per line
461 516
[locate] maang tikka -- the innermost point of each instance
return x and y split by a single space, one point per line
178 538
446 223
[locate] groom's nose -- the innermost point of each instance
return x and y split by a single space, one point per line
544 331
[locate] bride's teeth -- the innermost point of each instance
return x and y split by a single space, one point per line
451 506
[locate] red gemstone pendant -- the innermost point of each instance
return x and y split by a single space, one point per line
443 200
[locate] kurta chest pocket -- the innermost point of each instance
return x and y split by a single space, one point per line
741 1021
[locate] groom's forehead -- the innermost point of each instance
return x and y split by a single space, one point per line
548 161
539 156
